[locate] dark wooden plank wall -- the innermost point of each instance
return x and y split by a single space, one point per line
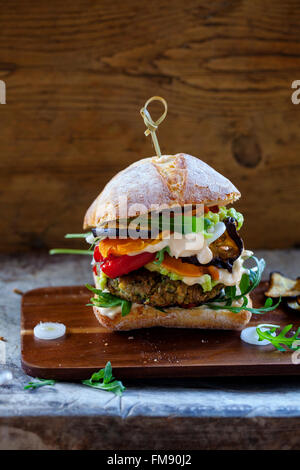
78 71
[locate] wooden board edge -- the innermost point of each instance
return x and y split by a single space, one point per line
164 372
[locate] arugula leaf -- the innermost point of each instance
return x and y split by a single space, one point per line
103 379
230 291
107 300
70 251
281 338
115 387
245 283
107 373
160 255
78 235
108 383
248 282
160 309
61 251
97 375
41 383
126 307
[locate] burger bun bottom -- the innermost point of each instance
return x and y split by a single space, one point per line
144 316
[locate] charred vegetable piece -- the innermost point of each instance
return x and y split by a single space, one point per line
294 304
226 249
281 286
228 246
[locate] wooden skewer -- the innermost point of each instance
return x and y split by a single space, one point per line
151 125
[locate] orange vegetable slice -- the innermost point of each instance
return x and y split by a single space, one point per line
186 269
119 247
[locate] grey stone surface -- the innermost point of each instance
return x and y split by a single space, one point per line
234 397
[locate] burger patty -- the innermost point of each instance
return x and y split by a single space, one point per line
151 288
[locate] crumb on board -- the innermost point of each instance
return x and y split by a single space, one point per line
18 291
130 337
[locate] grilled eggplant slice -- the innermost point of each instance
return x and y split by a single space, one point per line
294 304
226 249
229 246
282 286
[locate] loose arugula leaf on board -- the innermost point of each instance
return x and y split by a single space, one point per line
107 373
115 387
41 383
281 339
97 376
104 380
268 302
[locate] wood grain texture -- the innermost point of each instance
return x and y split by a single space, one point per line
77 72
154 352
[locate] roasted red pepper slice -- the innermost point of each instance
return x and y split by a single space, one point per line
115 266
214 209
95 270
97 255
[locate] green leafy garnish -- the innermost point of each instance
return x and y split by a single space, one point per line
104 380
160 255
107 300
70 251
78 235
248 282
281 339
41 383
61 251
160 309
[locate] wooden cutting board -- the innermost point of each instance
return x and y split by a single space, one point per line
156 352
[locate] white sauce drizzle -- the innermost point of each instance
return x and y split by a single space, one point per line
205 255
225 277
110 312
189 244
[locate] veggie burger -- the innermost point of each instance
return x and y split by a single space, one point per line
167 250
